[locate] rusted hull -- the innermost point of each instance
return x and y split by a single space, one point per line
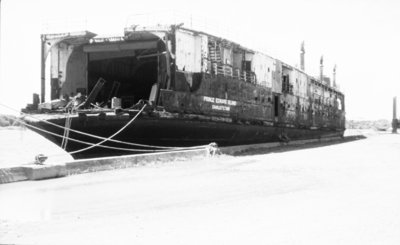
199 88
172 132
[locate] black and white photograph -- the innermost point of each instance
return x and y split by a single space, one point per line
200 122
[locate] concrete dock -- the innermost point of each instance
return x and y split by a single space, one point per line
344 193
61 164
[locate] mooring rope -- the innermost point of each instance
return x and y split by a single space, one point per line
119 131
102 138
91 145
68 120
83 142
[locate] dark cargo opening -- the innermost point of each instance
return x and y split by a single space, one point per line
128 78
132 68
276 105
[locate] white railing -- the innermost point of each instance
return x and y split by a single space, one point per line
228 71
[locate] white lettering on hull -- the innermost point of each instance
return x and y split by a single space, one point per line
220 108
219 104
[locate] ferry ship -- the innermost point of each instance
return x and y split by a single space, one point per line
182 87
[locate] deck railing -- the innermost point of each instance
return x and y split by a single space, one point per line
228 71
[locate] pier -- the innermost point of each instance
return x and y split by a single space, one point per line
327 193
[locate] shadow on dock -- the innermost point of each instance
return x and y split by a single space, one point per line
294 147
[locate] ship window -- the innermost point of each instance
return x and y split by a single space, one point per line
339 104
286 86
247 65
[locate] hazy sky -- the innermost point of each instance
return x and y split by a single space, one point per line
362 37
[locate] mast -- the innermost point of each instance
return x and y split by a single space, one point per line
302 52
394 121
334 77
42 69
321 69
0 43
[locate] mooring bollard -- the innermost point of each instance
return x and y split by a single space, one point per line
212 149
40 159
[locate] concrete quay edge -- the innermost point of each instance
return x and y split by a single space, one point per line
40 172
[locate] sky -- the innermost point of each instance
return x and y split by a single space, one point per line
361 36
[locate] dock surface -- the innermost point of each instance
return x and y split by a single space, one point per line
19 146
346 193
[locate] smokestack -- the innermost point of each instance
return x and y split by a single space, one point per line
321 69
334 77
302 66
